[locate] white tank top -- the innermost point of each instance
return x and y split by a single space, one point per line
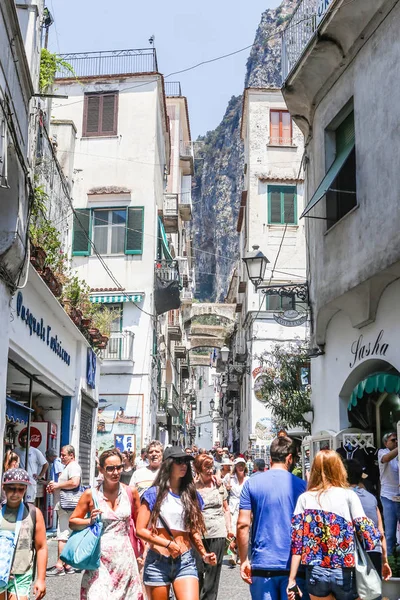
172 511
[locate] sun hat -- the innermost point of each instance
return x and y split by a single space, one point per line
16 476
238 460
175 452
226 462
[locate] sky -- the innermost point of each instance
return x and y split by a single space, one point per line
186 33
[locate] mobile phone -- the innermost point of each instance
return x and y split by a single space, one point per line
296 591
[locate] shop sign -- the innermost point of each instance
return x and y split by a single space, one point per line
38 326
323 7
91 368
36 436
291 318
361 349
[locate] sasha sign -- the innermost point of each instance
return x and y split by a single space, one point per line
38 327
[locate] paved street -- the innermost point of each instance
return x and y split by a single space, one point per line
67 588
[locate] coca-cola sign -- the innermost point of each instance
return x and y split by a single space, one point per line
36 436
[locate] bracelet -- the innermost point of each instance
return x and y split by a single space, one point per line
167 546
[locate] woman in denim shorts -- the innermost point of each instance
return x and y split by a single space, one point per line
170 520
325 522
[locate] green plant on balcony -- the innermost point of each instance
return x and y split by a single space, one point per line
103 317
50 63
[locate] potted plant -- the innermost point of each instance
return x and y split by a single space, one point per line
102 319
390 588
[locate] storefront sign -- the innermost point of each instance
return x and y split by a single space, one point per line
36 436
91 368
38 326
291 318
323 7
361 349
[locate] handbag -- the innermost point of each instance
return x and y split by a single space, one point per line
368 582
69 498
8 545
137 544
82 550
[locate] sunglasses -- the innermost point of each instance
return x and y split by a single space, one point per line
112 468
393 440
13 489
181 461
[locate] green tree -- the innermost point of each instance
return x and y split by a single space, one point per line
285 385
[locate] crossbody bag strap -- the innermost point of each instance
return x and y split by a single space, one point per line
18 522
166 527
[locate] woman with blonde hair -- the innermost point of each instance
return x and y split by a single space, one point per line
326 519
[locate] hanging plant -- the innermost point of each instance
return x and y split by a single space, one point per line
50 63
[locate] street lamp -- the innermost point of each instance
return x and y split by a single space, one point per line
224 353
212 404
256 263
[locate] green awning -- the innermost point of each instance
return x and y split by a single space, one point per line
378 382
164 241
115 299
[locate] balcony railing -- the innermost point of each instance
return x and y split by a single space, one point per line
186 150
301 28
163 400
167 270
171 205
109 62
173 88
119 347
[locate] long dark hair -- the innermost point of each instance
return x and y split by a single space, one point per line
192 518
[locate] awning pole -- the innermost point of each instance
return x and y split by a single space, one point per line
28 440
378 404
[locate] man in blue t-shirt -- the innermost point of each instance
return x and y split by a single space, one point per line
267 503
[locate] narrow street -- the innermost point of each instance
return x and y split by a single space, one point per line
232 587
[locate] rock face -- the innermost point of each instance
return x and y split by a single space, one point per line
218 180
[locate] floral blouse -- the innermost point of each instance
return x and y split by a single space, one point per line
324 526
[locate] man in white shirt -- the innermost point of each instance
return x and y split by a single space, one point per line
69 479
389 476
37 465
141 460
143 478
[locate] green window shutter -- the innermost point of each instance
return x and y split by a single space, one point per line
274 205
81 232
345 134
134 230
289 206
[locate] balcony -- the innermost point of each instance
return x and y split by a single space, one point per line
180 352
186 297
174 326
170 212
173 89
109 62
185 206
167 270
321 39
119 347
173 404
186 158
162 406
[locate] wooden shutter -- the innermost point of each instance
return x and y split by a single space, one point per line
109 114
274 127
134 231
345 134
81 232
286 122
275 215
91 119
289 205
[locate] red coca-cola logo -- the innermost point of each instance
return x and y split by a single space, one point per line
36 436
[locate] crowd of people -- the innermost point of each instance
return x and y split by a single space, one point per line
170 516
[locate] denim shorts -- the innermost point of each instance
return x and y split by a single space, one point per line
163 570
341 583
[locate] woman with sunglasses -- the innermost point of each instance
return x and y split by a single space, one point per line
170 520
118 576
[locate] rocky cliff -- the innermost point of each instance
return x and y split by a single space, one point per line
218 180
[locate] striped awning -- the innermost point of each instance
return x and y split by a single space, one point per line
115 298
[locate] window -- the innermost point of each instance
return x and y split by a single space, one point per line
199 431
200 411
341 196
282 205
112 231
280 128
109 231
275 302
100 115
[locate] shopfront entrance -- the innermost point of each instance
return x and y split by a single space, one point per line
85 439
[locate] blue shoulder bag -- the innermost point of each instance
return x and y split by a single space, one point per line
8 544
82 550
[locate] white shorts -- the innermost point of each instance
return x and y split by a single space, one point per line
63 529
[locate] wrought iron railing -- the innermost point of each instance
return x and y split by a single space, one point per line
119 347
173 88
163 400
301 28
186 150
109 62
